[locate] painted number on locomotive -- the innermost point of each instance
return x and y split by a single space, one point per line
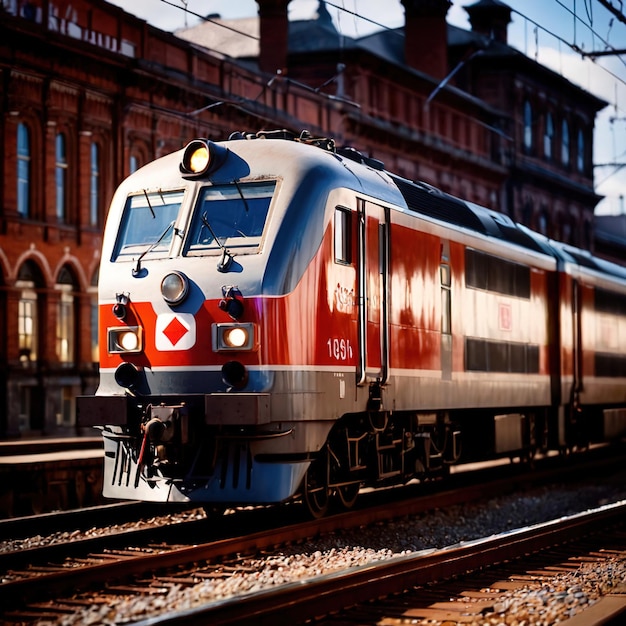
339 349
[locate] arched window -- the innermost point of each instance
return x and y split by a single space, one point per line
94 198
580 150
65 326
528 126
61 177
548 137
565 143
138 155
29 280
23 170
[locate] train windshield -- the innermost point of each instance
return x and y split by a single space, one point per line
230 216
148 224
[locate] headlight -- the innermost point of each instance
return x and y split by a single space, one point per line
126 339
233 337
200 157
174 287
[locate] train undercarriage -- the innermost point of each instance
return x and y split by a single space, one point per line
375 449
381 448
168 453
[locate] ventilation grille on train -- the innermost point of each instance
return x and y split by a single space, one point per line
434 203
430 201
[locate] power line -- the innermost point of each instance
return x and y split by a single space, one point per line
572 45
399 32
205 18
605 53
609 50
609 6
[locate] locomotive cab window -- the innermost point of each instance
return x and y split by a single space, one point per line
343 249
231 216
148 225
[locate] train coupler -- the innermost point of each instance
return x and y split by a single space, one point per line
165 430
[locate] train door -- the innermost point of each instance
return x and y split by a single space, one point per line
445 279
373 277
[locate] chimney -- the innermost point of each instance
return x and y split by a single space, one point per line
426 36
490 18
274 31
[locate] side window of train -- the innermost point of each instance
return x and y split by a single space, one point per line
343 230
492 273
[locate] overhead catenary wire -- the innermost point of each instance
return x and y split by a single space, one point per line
399 32
573 45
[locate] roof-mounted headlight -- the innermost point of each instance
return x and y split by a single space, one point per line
200 157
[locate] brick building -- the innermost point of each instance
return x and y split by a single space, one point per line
89 93
505 131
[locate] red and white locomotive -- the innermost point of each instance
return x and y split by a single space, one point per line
282 318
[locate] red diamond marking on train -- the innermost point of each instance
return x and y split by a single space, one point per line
175 331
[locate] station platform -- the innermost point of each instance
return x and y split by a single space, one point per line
50 474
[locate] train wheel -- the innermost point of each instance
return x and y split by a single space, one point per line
316 492
347 494
214 511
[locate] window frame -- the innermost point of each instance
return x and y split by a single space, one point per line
248 243
565 144
581 156
66 316
342 238
24 166
61 167
65 340
94 183
528 126
548 137
27 321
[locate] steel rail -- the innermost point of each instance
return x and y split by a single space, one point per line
72 579
49 584
80 519
297 602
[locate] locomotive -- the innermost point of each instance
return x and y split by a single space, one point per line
281 318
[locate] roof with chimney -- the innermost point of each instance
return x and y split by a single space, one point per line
239 39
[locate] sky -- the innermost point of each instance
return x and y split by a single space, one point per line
553 32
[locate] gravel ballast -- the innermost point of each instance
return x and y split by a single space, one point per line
552 602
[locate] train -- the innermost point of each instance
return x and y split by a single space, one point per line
283 319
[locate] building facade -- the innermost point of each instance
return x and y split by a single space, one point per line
89 93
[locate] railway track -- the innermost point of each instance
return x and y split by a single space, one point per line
36 584
557 548
304 601
80 519
78 565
